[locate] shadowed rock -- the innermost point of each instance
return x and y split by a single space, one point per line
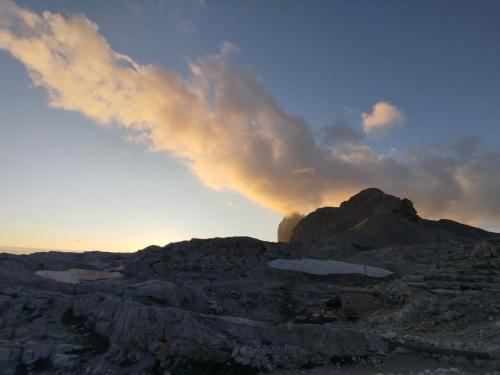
372 219
223 308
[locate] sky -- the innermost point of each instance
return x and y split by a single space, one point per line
128 123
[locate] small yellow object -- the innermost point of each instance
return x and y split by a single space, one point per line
161 351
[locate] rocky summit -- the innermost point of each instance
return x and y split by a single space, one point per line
368 287
373 219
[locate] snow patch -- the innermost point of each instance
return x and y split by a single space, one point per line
75 275
327 267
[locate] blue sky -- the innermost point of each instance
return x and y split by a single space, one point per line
68 183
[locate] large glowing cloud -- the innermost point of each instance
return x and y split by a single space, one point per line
221 123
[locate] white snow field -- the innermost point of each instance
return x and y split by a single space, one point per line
327 267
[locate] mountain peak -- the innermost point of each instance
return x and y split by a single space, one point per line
372 218
374 201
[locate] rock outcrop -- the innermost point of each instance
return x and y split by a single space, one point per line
372 219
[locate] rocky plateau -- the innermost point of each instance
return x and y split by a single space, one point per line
365 288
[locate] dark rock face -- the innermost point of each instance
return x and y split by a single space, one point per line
373 219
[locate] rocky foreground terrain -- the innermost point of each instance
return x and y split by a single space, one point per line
366 288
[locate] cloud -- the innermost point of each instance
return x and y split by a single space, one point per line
223 125
287 225
383 117
183 14
340 132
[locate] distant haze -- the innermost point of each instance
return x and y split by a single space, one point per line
25 250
